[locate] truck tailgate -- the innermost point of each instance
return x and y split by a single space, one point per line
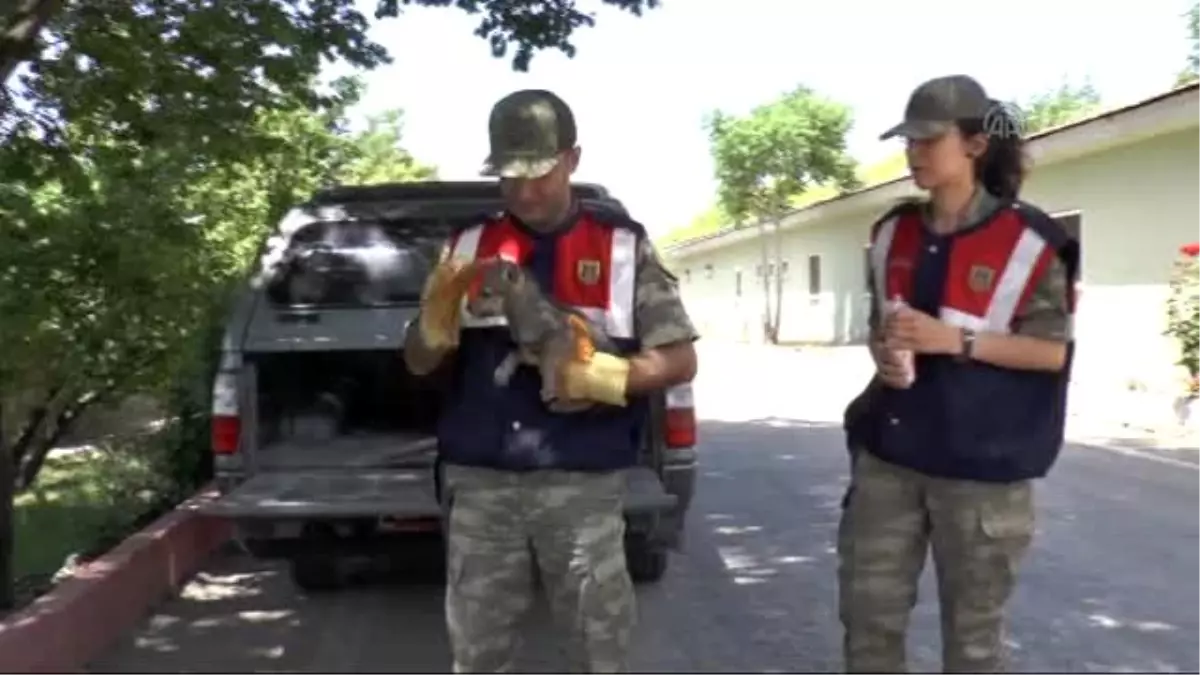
400 493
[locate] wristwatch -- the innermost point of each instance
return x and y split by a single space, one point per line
968 345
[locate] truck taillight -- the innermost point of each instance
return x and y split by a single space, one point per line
681 417
226 424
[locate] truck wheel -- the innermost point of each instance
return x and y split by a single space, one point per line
316 572
647 562
316 568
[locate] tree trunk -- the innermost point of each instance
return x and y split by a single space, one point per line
778 281
767 333
21 30
7 495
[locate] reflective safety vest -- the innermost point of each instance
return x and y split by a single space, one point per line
968 419
590 267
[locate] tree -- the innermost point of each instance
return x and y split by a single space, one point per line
1191 73
1058 106
299 34
767 159
377 157
115 253
143 150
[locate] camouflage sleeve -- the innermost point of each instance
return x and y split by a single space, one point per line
1047 315
659 314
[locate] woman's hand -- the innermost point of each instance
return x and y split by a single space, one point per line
908 328
891 370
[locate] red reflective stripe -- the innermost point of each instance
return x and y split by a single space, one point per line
583 267
901 258
500 237
978 261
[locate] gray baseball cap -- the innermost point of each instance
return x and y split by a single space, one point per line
937 104
528 129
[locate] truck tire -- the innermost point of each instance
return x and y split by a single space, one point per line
646 561
316 568
315 573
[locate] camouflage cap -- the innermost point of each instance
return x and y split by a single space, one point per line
937 104
528 129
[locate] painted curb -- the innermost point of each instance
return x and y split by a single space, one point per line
65 629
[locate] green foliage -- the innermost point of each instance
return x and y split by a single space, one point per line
375 155
1183 311
780 150
530 25
1058 106
1191 73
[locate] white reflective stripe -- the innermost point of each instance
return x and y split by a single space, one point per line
680 396
879 260
225 395
956 317
467 243
621 284
471 321
1011 286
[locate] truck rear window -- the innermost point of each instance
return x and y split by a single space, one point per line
359 263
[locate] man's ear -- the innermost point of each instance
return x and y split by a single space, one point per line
573 159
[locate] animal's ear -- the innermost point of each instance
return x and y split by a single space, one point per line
512 274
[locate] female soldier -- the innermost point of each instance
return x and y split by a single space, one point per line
978 286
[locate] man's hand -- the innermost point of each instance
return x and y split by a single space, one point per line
908 328
603 379
441 305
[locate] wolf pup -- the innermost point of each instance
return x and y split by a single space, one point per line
546 333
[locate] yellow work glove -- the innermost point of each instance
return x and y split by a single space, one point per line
441 304
603 379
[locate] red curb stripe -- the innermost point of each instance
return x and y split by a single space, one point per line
65 629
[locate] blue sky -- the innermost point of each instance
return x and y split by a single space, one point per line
641 87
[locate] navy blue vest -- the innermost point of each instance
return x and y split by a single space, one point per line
970 420
588 266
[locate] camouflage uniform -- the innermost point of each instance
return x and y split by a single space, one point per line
978 531
506 529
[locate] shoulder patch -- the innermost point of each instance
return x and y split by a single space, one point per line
653 261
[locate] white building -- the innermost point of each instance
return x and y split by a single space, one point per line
1125 180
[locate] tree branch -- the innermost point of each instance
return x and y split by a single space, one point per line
63 421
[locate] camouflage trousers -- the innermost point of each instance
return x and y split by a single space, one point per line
507 528
978 533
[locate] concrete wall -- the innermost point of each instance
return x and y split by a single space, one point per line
1138 204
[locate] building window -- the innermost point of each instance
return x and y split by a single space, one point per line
814 274
708 271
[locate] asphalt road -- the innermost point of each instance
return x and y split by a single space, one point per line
1111 584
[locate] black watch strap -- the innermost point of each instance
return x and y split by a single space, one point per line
968 345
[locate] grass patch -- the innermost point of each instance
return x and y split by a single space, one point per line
83 503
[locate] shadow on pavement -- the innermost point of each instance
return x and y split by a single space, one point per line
754 589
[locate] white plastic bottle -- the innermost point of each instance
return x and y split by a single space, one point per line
905 356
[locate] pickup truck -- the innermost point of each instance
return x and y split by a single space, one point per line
324 445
